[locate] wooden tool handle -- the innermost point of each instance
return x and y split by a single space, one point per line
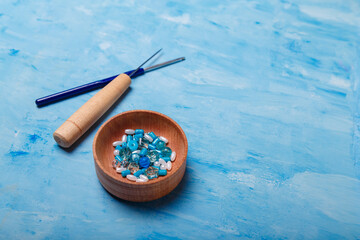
76 125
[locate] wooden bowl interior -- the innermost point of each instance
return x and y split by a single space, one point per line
158 123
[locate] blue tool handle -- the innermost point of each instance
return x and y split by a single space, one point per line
81 89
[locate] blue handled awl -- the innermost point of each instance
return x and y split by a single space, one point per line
97 84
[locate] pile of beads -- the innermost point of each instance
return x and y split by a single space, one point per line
141 156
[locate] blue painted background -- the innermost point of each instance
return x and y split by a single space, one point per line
268 98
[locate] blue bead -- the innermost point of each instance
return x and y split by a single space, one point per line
125 173
137 137
156 167
155 141
132 145
160 145
119 147
166 159
143 152
139 131
138 173
118 158
162 172
151 147
151 134
144 162
129 138
166 152
123 145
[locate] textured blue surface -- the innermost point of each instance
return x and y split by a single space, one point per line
268 98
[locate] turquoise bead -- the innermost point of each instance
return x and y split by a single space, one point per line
144 142
143 152
162 172
125 173
156 140
118 158
151 134
129 138
139 131
166 152
132 145
139 172
151 147
119 147
160 145
166 159
137 137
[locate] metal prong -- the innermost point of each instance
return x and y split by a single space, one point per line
145 62
164 64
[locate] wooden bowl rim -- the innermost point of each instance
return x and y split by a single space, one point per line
152 181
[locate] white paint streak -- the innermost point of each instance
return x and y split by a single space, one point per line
104 45
334 195
294 36
184 19
339 82
332 14
243 178
84 10
209 76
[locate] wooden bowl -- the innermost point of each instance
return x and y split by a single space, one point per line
112 131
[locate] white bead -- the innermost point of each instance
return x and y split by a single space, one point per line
148 137
116 152
163 167
163 139
140 180
117 143
169 165
131 177
173 156
130 131
143 177
136 152
123 139
162 161
120 169
157 164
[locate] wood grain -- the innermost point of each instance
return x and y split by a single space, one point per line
112 131
78 123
